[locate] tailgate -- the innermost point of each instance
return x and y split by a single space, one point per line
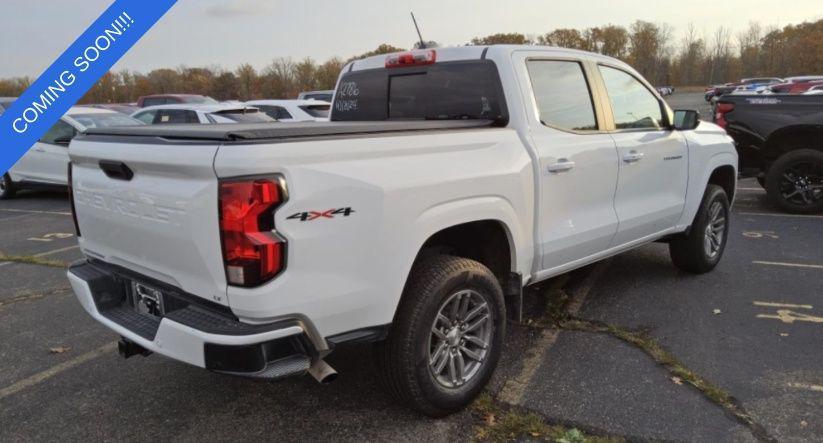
162 222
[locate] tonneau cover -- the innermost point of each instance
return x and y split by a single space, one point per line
271 131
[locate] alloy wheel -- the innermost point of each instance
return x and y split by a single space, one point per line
460 339
802 183
715 230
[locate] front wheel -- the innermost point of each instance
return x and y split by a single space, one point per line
6 187
700 250
447 335
795 181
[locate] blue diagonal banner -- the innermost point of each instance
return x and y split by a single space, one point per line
74 73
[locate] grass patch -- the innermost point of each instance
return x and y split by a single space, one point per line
503 423
33 260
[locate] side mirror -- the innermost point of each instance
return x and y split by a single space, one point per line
686 119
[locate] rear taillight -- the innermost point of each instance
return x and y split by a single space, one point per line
71 202
253 253
411 58
720 111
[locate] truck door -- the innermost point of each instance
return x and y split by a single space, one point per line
577 161
651 188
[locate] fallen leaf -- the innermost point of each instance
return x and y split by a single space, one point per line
60 349
490 419
535 434
803 423
717 311
784 334
677 380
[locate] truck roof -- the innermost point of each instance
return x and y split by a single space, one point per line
478 52
246 132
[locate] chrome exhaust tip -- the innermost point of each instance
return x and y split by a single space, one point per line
322 372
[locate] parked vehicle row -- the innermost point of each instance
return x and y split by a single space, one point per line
413 219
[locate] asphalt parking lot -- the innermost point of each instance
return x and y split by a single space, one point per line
748 335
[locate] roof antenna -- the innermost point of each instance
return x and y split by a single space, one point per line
422 43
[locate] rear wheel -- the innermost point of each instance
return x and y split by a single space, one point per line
6 187
447 336
795 181
700 250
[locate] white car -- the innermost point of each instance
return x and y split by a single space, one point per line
294 110
192 113
323 95
814 90
46 163
413 219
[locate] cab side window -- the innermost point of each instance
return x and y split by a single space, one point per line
146 117
168 116
275 112
562 95
634 106
60 133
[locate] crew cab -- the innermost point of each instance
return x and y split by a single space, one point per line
780 141
446 181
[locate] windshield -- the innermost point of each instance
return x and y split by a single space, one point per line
200 99
105 120
325 96
245 116
442 91
317 111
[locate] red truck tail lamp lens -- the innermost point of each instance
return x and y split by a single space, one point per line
720 112
253 253
412 58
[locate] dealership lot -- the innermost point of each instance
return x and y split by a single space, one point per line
752 327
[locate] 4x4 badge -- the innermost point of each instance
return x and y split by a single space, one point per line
315 215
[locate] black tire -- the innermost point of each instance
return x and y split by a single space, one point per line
695 251
795 181
405 358
7 188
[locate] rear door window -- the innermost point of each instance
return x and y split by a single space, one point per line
562 94
275 112
634 106
447 90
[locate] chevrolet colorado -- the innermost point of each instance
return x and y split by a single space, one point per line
445 182
780 141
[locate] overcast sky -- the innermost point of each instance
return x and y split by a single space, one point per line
230 32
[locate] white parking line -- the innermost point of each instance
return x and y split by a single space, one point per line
790 265
31 211
781 305
816 388
515 388
51 372
769 214
752 189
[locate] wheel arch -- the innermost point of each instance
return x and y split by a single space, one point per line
791 138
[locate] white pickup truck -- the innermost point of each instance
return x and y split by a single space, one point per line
445 182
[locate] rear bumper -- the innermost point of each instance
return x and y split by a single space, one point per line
194 332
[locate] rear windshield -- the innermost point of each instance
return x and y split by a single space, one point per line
442 91
325 96
245 116
317 111
105 120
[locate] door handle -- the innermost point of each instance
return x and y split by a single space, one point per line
633 156
562 165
